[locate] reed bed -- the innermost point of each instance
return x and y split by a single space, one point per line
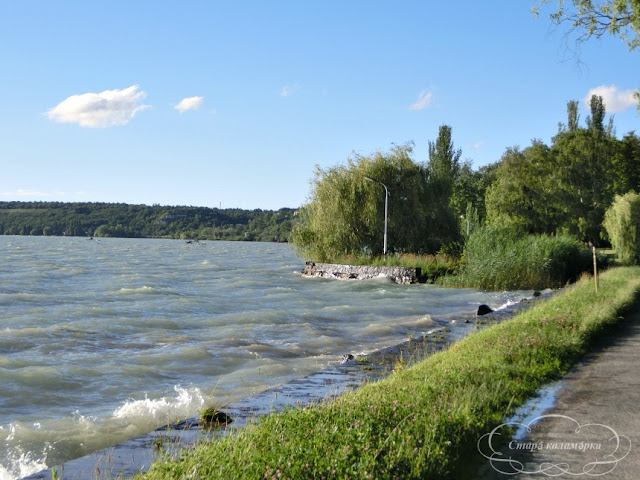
505 259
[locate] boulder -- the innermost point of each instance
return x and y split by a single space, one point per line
346 357
484 309
211 417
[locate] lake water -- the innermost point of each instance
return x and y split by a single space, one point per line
107 339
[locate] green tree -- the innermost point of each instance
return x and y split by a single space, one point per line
572 114
443 166
622 221
470 189
525 192
565 188
345 214
626 165
595 18
443 169
583 161
595 122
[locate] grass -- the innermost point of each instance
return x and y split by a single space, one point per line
423 421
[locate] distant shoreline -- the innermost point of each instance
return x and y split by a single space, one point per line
141 221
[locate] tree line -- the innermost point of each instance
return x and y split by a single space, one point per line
562 188
568 185
142 221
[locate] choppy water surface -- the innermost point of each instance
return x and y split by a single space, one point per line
103 340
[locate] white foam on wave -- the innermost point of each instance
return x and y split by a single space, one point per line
15 463
186 402
508 304
423 321
21 466
26 449
140 290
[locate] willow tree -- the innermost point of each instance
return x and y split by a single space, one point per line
622 221
345 214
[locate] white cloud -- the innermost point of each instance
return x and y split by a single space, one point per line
614 100
29 193
288 90
424 100
189 103
99 110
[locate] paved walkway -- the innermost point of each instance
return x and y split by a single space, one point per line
593 429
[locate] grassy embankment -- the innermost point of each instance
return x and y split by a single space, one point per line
423 421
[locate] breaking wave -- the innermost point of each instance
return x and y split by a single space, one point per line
80 435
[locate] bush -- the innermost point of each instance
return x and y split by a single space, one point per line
622 222
499 258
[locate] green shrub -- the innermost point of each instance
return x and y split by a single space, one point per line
504 258
622 222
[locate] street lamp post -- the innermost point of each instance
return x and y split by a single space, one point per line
386 211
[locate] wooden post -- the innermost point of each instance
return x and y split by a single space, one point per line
595 269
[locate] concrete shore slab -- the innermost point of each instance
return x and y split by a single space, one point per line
593 428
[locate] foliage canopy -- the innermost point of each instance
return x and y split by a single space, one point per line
346 211
622 221
345 215
123 220
566 188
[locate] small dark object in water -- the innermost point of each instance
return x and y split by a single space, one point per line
211 417
346 357
484 309
536 294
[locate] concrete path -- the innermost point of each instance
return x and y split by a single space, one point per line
593 428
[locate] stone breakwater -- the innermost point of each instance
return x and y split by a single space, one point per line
400 275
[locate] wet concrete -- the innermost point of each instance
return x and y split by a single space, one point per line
591 428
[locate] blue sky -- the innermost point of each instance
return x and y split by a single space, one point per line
233 104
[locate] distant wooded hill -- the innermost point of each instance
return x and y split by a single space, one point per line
142 221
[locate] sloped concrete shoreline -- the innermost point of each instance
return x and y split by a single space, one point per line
401 275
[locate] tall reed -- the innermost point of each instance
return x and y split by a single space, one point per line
497 258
